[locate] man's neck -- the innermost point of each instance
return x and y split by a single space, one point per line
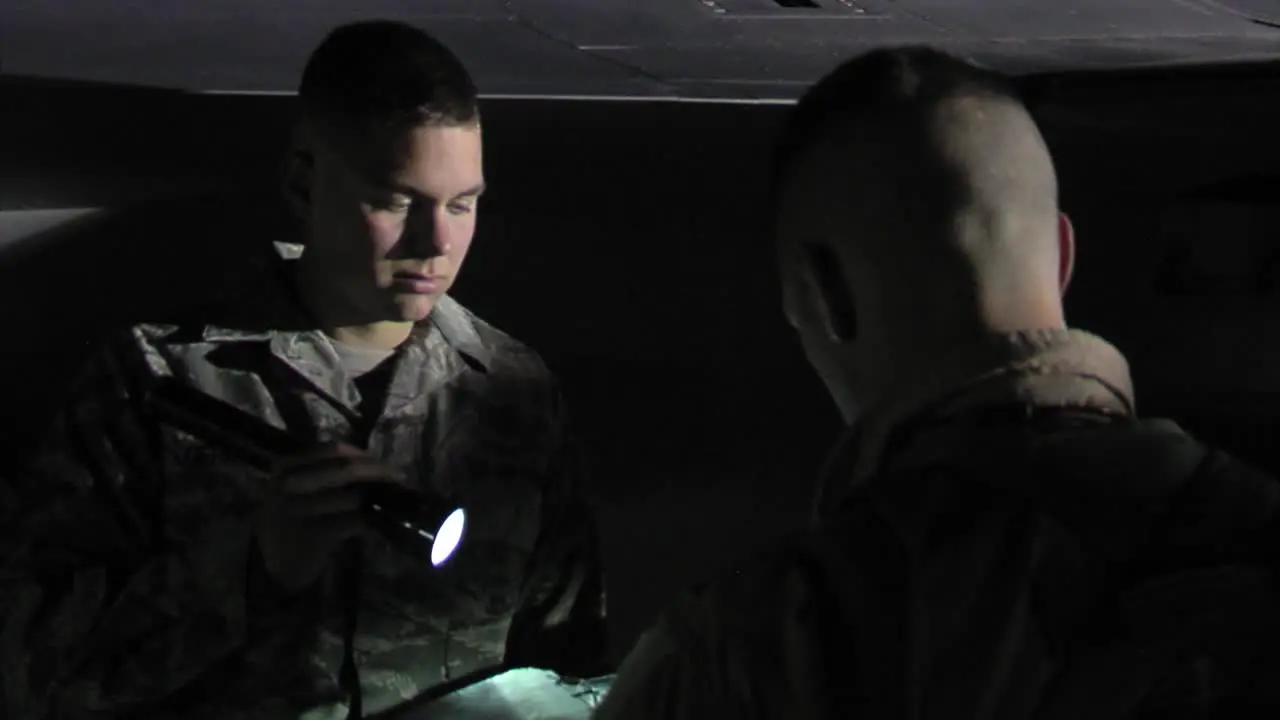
382 335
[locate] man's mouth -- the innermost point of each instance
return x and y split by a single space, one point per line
417 283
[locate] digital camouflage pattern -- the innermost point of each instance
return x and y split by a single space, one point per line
131 587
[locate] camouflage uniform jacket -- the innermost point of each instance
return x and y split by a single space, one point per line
763 642
968 565
131 587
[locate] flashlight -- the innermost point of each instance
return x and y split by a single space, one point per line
418 523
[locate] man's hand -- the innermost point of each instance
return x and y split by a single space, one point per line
312 506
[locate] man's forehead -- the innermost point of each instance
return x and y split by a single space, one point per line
385 160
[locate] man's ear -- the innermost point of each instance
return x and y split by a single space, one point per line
1066 252
834 297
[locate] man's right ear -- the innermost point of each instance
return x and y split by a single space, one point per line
299 176
1066 252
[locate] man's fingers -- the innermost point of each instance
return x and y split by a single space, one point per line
324 503
340 474
334 453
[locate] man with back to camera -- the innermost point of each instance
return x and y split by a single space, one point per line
148 576
997 535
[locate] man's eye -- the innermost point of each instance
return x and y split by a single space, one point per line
393 203
461 208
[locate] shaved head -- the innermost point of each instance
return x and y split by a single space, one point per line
915 206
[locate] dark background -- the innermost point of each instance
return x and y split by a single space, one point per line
625 240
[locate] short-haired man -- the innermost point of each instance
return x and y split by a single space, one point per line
999 536
147 575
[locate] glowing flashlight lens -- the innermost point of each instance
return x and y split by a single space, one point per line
448 537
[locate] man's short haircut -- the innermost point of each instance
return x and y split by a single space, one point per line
876 83
376 76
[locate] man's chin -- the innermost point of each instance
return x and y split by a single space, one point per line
414 308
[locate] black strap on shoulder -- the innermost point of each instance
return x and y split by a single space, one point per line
1206 576
1200 582
1224 512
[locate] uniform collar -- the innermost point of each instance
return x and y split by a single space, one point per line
281 320
278 312
1039 368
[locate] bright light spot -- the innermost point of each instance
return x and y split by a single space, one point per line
448 537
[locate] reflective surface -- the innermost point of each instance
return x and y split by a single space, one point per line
520 694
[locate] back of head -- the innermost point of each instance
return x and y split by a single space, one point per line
915 203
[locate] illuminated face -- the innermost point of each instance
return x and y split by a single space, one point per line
387 232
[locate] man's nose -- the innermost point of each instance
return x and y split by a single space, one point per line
424 237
